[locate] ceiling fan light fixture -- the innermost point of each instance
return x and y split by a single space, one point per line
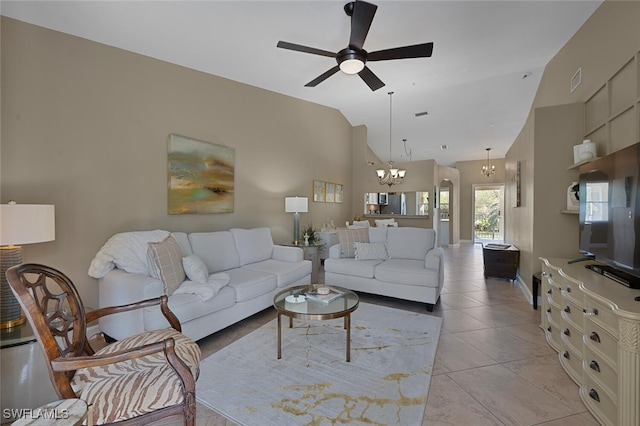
351 66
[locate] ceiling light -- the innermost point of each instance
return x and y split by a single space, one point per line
351 66
443 147
392 175
487 169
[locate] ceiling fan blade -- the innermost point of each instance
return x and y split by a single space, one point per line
361 19
416 51
305 49
322 77
371 79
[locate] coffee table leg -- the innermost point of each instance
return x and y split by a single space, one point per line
279 337
347 321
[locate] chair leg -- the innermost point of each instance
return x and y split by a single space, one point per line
430 307
190 409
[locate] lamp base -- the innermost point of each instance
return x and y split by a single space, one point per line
10 311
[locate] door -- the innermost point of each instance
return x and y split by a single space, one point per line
488 205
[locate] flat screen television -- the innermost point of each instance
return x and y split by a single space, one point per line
610 214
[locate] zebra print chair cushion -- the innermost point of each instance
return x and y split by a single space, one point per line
137 386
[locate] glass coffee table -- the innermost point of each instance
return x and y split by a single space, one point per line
294 303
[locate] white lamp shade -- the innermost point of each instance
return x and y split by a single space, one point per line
296 204
27 223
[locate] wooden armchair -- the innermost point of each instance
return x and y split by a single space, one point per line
136 380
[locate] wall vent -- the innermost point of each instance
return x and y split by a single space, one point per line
576 79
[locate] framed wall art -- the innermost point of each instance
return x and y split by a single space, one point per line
318 191
201 176
330 192
338 198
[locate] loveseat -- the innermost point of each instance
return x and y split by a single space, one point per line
401 262
213 279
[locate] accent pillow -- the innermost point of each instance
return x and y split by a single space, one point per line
370 251
347 237
382 223
361 223
165 263
195 268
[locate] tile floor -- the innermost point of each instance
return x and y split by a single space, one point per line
493 365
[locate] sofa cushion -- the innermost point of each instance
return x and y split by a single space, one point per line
188 307
286 273
350 266
386 223
195 268
370 251
165 263
406 271
216 249
254 245
349 236
250 284
361 223
409 243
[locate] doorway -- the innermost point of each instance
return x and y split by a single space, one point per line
488 205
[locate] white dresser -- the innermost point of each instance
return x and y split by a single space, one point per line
594 324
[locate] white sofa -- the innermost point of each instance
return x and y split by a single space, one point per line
247 259
401 262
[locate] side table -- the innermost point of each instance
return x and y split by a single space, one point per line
25 376
310 252
500 261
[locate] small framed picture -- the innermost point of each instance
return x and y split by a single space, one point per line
338 192
318 191
330 192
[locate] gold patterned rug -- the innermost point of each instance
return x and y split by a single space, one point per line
386 382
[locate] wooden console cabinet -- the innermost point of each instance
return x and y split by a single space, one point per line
594 324
500 261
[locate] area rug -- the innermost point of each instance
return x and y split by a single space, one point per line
386 382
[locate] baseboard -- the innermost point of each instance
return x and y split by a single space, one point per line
525 290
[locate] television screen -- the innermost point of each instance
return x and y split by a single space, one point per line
610 210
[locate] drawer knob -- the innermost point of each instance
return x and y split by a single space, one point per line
594 366
566 355
549 310
549 292
549 329
567 309
568 289
567 332
594 395
594 336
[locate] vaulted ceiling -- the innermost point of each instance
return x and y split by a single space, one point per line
477 88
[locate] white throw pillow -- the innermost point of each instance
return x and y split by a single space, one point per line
195 268
370 251
165 263
383 223
361 223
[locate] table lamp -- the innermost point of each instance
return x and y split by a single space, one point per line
296 205
20 224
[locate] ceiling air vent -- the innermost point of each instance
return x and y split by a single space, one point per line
420 114
576 79
443 147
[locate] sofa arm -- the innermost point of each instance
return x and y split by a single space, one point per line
335 251
120 288
287 254
433 259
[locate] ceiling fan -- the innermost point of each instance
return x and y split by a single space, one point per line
353 58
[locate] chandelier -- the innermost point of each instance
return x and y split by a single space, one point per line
487 169
391 175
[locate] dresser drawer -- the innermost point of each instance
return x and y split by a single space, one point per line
571 338
571 361
555 294
572 313
600 341
553 335
570 290
599 402
601 314
600 370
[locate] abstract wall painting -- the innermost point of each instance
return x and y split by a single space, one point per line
201 176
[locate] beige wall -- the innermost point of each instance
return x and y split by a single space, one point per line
604 44
85 127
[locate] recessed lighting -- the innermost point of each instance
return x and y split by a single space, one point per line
526 74
443 147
